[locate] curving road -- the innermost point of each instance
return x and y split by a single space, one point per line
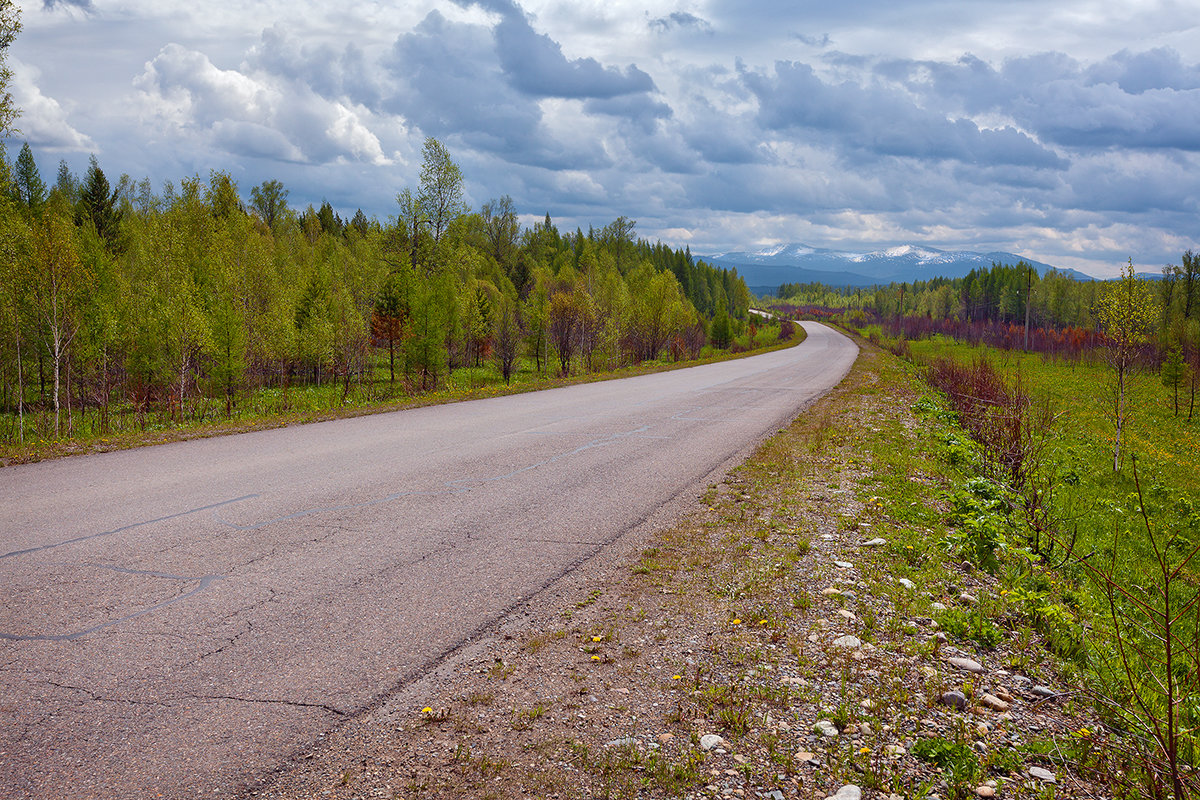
178 620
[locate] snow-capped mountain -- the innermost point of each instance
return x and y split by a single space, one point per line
802 263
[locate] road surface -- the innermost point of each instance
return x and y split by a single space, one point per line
181 619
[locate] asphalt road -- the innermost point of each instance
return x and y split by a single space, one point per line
181 619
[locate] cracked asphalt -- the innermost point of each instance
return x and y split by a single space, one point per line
179 621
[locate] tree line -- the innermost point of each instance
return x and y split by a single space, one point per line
1014 307
185 301
1005 293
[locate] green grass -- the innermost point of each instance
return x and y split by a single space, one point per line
1112 526
1098 502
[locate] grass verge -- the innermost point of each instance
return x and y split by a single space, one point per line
318 404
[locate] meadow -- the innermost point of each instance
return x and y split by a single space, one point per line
1100 561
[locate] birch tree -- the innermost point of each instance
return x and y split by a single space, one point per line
58 286
1125 311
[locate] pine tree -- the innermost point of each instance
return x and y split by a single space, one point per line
66 183
31 189
98 205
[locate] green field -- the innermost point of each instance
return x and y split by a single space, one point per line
1116 594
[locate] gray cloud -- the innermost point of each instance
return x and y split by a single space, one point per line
639 109
534 63
719 144
254 140
450 84
327 71
680 19
883 122
1135 186
823 40
1136 73
1130 100
83 5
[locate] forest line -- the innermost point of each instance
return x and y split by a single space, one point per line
121 307
1014 307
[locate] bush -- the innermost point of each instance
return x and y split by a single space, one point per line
973 625
956 758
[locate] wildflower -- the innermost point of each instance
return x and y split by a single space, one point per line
595 658
596 639
676 677
737 622
762 622
426 710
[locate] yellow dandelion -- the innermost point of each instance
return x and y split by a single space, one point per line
737 622
596 639
595 658
426 710
676 677
762 622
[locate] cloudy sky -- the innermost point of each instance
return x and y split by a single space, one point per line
1065 131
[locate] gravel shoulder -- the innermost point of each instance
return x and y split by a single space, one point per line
779 639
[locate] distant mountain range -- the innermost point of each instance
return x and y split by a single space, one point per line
765 270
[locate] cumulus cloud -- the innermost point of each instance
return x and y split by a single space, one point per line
449 83
534 63
255 140
1135 73
253 115
328 71
639 109
43 122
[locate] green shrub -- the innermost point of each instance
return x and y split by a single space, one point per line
973 625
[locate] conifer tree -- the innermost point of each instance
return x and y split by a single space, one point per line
65 182
31 189
98 205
